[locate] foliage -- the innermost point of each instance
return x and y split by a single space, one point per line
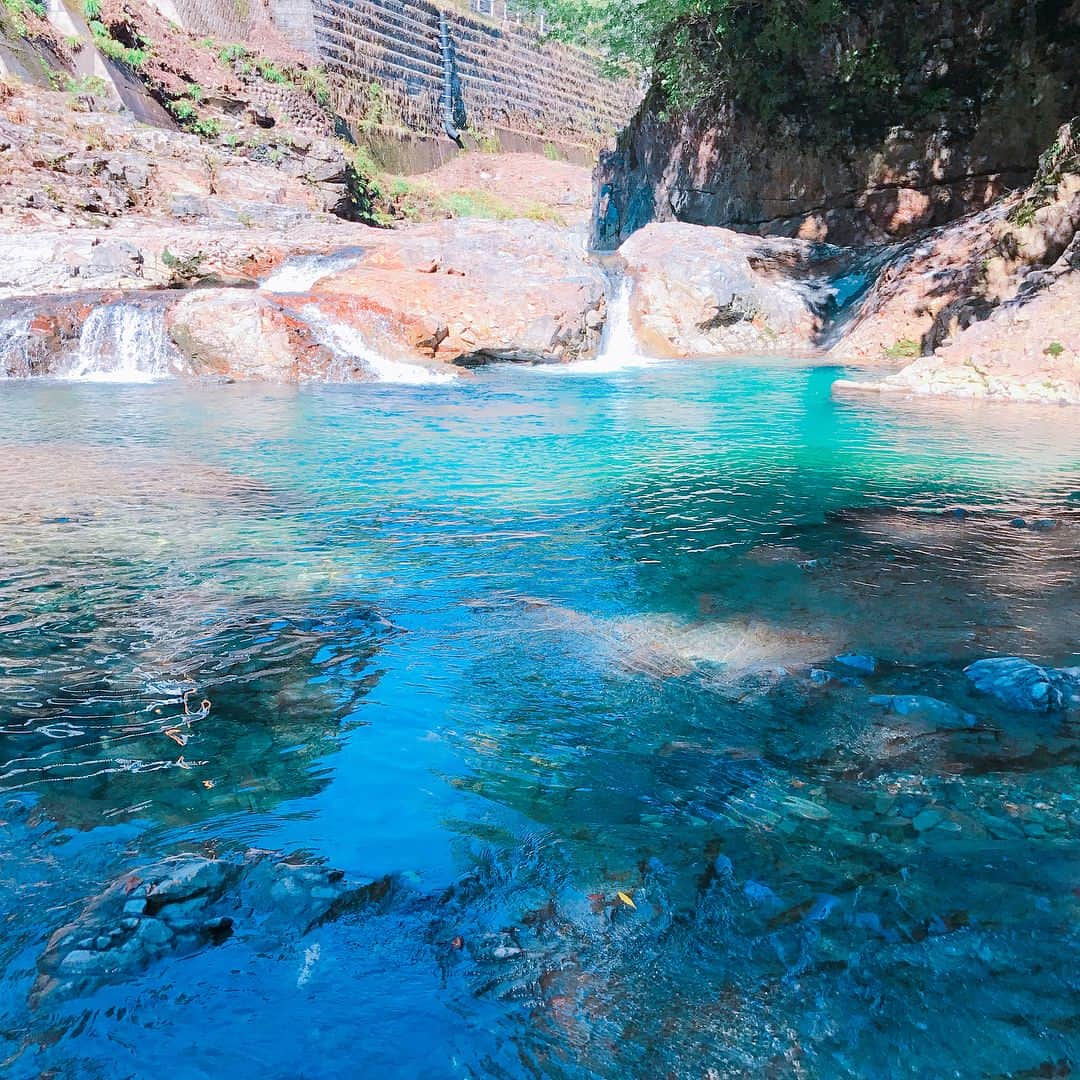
207 128
843 70
132 56
229 54
183 110
904 349
1054 349
271 72
183 267
1062 156
19 12
88 84
316 83
413 200
92 10
378 110
487 142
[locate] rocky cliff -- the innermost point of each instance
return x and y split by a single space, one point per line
879 121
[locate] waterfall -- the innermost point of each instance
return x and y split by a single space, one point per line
299 274
618 345
15 357
345 342
125 342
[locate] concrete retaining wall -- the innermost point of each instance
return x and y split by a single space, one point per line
385 66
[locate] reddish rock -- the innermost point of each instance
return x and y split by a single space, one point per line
469 290
1021 352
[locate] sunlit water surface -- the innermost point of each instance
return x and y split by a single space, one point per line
521 644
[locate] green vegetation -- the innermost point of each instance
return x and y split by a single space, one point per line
904 349
183 110
1063 156
1054 349
841 71
184 268
552 152
413 200
229 54
18 12
487 142
132 56
316 83
271 72
88 84
378 110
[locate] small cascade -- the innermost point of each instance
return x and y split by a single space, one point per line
15 356
345 342
618 345
299 274
125 342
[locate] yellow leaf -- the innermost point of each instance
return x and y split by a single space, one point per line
627 901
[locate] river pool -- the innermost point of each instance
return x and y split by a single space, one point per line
549 658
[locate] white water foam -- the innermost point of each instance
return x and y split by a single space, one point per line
124 342
618 346
345 341
299 274
15 345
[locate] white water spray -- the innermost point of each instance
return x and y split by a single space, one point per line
345 342
125 342
618 345
298 275
15 345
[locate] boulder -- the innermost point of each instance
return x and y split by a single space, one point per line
1020 684
466 291
921 707
245 335
699 291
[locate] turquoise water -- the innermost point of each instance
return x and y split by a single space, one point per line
515 646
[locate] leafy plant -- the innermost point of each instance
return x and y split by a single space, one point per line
904 349
132 56
19 11
208 128
316 83
1054 349
183 267
229 54
183 110
271 72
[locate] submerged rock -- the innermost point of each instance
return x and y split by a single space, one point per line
860 662
186 903
1020 684
940 713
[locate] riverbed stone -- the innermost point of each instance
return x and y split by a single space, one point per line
860 662
193 902
1018 683
922 706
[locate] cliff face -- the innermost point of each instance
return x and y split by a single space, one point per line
957 101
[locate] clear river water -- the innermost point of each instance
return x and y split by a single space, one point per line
550 657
